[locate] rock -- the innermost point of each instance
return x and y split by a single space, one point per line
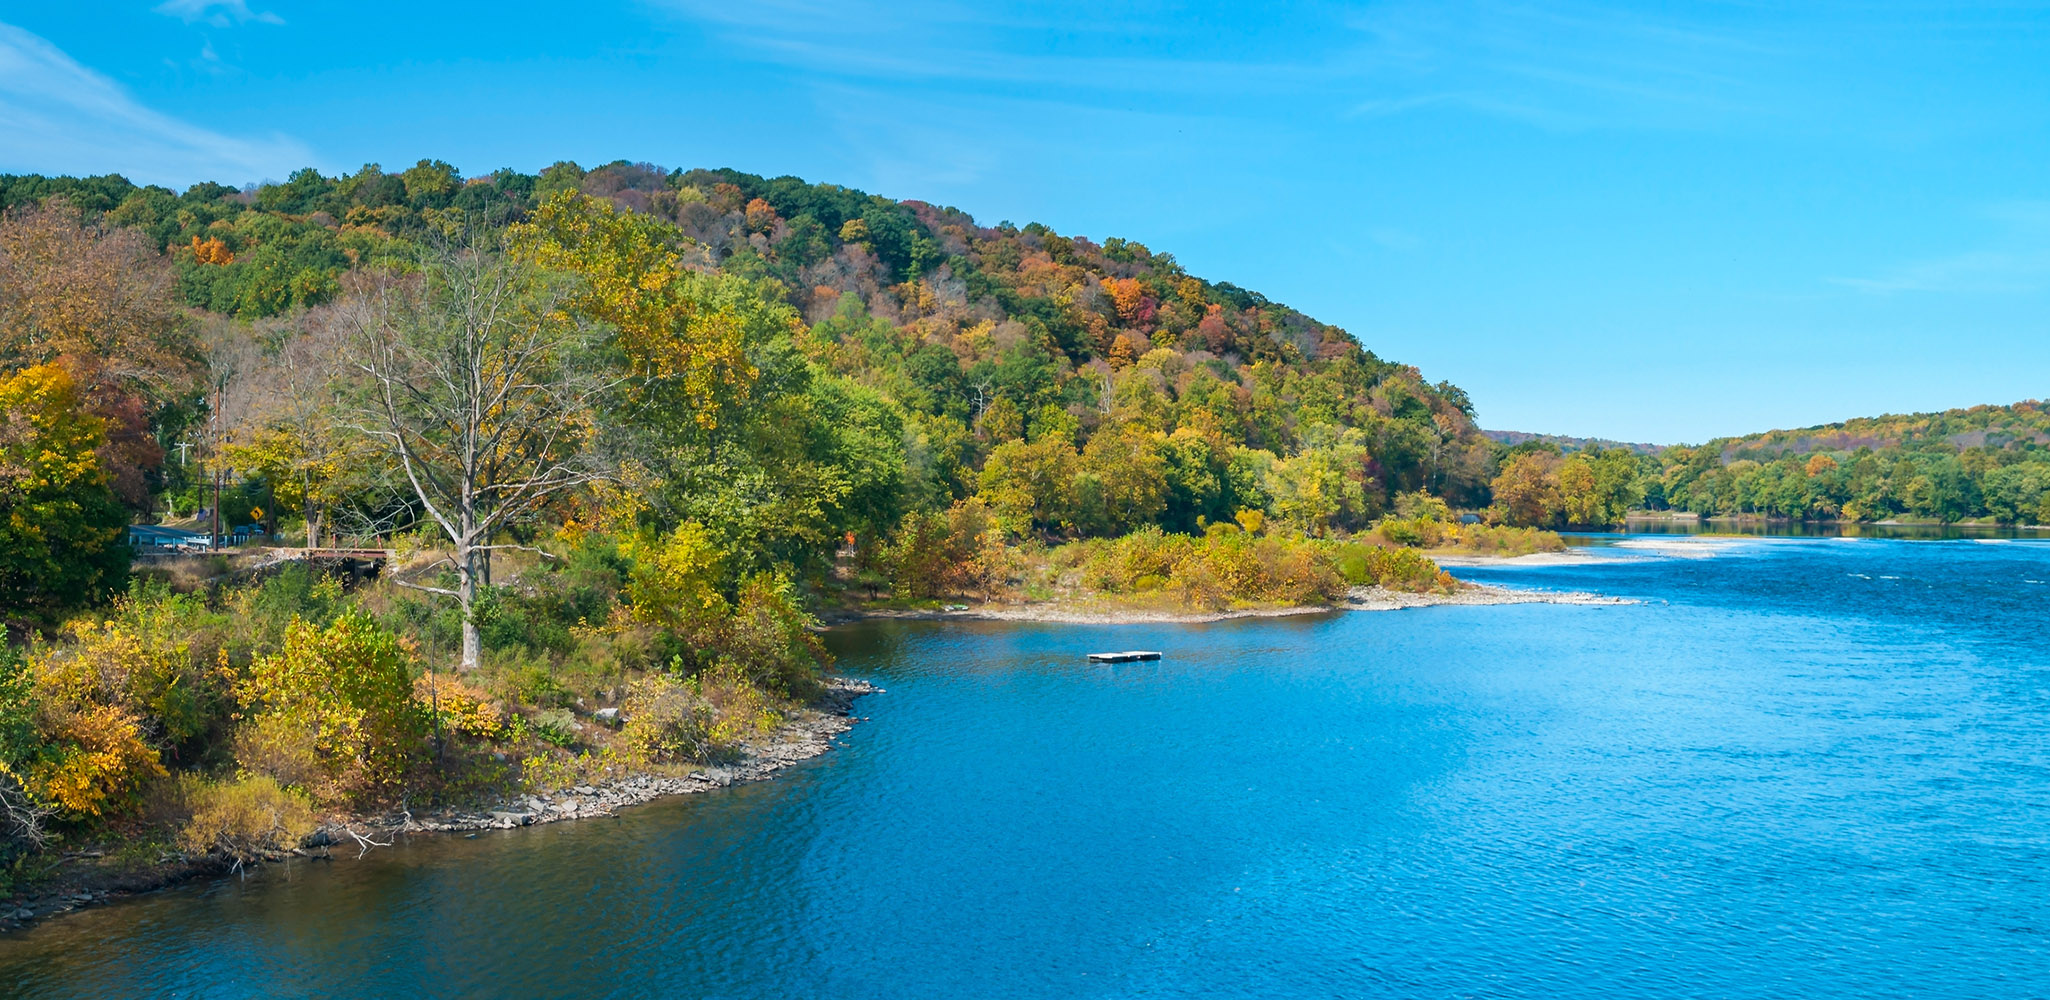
508 820
24 914
584 790
608 716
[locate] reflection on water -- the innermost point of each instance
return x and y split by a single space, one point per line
1809 768
1761 528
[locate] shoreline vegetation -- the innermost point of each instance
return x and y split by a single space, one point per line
592 720
587 761
597 447
1371 598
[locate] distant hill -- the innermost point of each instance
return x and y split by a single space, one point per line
1985 462
1567 443
1999 428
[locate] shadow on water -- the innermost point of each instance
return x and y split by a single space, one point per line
1768 528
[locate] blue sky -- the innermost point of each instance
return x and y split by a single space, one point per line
1648 222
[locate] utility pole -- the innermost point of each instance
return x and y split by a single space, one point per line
214 538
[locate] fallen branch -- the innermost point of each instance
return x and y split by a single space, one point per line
363 843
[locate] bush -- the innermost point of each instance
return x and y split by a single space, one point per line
1223 567
244 819
740 707
156 679
1416 532
1396 569
1502 540
459 708
771 639
96 764
344 695
666 721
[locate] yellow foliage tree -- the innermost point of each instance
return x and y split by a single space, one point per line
630 275
60 528
674 584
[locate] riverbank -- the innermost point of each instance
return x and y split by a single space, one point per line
1569 558
1372 598
1472 595
95 876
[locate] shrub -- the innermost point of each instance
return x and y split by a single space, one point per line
532 684
673 584
1495 539
1396 569
459 707
96 763
550 770
739 707
345 693
1416 532
244 819
771 638
173 694
1222 567
666 720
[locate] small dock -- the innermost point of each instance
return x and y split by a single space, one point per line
1128 656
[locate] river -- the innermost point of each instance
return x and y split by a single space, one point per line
1798 767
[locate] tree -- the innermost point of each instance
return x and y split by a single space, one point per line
102 304
1527 492
629 274
478 385
61 541
1030 485
1122 483
288 418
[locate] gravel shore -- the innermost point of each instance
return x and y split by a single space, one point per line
1357 599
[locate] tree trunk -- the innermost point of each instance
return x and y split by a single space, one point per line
466 595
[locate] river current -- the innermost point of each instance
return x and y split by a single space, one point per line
1796 768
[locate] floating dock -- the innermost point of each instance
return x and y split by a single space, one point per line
1128 656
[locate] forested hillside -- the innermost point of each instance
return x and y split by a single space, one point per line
1983 462
1081 388
622 431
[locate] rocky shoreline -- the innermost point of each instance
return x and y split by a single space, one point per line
802 737
1356 599
807 734
1473 594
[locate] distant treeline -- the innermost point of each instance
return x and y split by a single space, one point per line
1983 462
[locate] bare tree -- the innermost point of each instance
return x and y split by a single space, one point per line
234 369
293 425
480 387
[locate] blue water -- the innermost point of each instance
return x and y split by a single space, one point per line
1799 768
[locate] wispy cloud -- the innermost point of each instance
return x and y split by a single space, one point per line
62 117
219 13
1073 47
1558 64
1564 64
2017 261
